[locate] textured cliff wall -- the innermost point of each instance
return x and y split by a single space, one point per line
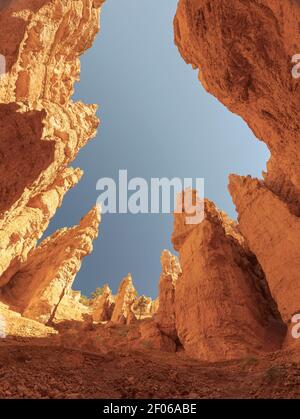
41 129
48 274
222 303
243 50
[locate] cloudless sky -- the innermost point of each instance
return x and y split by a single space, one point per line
156 121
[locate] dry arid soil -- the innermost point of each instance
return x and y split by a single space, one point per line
32 369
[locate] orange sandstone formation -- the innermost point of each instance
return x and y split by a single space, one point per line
217 303
165 316
222 302
103 306
273 234
71 309
151 337
244 52
12 324
41 283
124 301
41 42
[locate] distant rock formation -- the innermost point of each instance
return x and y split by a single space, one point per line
143 307
103 306
124 300
165 316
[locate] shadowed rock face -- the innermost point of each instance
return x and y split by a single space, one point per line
219 306
273 233
222 303
243 50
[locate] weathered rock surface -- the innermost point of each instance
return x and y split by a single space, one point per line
151 337
71 309
41 283
273 234
41 128
103 306
165 316
124 300
13 325
222 303
244 51
143 307
21 229
42 41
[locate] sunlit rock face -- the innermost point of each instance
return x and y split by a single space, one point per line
70 309
125 298
165 316
245 53
48 274
103 306
223 307
41 128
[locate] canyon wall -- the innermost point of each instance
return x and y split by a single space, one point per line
236 287
42 130
243 50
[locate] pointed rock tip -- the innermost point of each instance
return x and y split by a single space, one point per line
92 217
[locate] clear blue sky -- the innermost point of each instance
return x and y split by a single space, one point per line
156 121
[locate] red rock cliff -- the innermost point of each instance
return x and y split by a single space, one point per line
243 50
42 128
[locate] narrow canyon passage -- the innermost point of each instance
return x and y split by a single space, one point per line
156 121
219 318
